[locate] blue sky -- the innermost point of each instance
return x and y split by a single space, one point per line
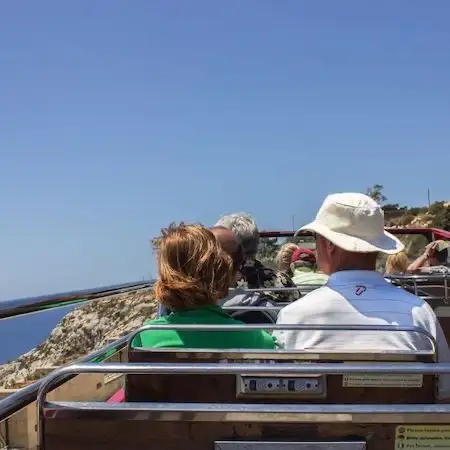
117 117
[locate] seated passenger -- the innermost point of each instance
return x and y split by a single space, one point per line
230 244
434 259
284 258
194 274
349 231
304 268
254 274
238 296
397 263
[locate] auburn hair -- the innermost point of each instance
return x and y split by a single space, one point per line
193 268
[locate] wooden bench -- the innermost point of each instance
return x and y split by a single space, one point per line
196 405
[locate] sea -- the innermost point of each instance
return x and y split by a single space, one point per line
20 334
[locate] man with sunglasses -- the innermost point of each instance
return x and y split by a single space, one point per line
253 273
238 297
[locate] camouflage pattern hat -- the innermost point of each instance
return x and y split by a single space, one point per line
441 245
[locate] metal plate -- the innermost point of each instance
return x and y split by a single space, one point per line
269 387
299 445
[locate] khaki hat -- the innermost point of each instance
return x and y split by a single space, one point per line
354 222
441 245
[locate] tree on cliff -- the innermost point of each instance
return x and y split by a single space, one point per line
376 192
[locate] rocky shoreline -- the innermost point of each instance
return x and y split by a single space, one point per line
81 331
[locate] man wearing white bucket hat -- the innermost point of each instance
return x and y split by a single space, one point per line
349 230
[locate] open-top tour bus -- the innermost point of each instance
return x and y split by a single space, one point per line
121 397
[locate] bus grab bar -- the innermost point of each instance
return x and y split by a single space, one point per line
315 327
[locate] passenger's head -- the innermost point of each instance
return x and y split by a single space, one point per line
439 255
244 227
284 256
230 243
193 268
397 263
304 258
349 230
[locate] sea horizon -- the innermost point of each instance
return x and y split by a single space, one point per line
21 334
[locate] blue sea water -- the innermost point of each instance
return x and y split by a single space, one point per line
20 334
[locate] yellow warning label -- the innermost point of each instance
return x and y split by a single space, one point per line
422 437
382 380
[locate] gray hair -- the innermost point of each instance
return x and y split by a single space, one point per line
245 229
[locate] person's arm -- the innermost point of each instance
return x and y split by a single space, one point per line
422 259
280 335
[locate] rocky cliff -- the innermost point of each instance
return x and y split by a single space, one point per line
81 331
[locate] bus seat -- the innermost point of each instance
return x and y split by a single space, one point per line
225 388
204 412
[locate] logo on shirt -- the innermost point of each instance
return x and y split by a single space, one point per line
359 290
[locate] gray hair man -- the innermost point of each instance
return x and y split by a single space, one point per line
349 230
254 274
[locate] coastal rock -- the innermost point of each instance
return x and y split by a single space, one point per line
82 331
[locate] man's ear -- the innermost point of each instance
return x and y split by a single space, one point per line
331 247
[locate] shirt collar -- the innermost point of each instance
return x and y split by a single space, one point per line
203 310
358 276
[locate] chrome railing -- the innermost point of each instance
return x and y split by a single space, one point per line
421 284
23 397
27 395
202 412
290 327
22 306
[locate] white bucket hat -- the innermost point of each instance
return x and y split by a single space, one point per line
354 222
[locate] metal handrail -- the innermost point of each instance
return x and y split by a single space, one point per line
419 276
21 306
269 326
436 232
280 289
413 281
220 369
253 308
256 412
238 368
27 395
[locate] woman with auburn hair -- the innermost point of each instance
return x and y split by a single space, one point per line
194 274
397 263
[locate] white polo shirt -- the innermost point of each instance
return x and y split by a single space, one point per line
361 297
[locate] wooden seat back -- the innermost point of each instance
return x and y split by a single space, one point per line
157 413
344 389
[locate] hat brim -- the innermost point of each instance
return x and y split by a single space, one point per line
442 245
386 243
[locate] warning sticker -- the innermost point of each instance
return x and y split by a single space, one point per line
422 437
383 380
